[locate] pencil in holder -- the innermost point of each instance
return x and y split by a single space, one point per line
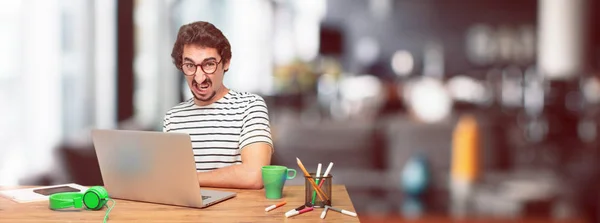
310 195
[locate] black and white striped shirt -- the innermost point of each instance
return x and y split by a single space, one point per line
220 131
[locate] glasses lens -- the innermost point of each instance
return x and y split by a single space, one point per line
209 66
188 68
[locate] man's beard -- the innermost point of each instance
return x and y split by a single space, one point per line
208 99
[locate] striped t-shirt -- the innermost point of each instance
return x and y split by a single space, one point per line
220 131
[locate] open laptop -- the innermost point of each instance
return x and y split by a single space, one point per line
155 167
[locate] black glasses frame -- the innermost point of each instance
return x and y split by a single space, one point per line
201 68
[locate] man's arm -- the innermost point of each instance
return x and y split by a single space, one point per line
247 175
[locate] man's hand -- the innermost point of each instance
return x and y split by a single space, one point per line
247 175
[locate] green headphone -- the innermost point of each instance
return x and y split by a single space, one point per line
94 198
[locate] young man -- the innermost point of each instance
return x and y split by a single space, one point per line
230 130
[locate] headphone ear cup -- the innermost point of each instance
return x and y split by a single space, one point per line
95 198
102 191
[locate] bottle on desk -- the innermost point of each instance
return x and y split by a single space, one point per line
464 163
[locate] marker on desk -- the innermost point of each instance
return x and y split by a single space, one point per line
326 173
293 213
308 205
317 182
274 206
296 209
341 211
324 212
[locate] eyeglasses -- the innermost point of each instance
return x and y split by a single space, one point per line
208 67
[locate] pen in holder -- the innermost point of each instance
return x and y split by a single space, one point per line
325 185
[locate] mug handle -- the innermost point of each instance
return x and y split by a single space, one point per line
288 174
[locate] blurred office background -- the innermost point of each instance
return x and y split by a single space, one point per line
378 87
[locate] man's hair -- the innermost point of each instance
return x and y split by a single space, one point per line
202 34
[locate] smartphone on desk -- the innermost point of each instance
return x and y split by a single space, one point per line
53 190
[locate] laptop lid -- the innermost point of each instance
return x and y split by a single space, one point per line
147 166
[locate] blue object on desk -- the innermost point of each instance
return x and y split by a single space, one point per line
412 207
415 175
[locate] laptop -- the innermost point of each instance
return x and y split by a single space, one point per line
154 167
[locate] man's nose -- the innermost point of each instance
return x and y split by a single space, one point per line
200 76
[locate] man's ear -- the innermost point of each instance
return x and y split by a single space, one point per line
226 66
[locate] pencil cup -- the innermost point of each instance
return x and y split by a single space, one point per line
310 196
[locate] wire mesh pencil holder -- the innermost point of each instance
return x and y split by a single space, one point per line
314 199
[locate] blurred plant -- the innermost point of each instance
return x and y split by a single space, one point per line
298 77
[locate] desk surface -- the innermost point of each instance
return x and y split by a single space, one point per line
247 206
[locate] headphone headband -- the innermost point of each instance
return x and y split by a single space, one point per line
66 200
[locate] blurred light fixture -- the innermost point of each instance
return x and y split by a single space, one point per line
402 63
360 95
360 87
512 89
561 51
481 44
527 40
381 9
366 50
433 59
429 100
507 44
326 89
591 90
467 89
533 92
326 84
493 80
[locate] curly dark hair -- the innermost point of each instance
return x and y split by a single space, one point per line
203 34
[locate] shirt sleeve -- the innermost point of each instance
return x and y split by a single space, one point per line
166 123
256 127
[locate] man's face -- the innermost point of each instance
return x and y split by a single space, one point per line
206 87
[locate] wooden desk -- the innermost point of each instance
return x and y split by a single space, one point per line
247 206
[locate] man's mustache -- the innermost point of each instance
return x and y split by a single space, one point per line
207 81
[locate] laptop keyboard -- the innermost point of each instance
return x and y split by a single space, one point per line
205 197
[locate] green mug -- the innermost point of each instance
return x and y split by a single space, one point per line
274 178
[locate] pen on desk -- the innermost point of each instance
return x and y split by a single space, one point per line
293 213
317 182
324 212
320 193
341 211
275 206
296 209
